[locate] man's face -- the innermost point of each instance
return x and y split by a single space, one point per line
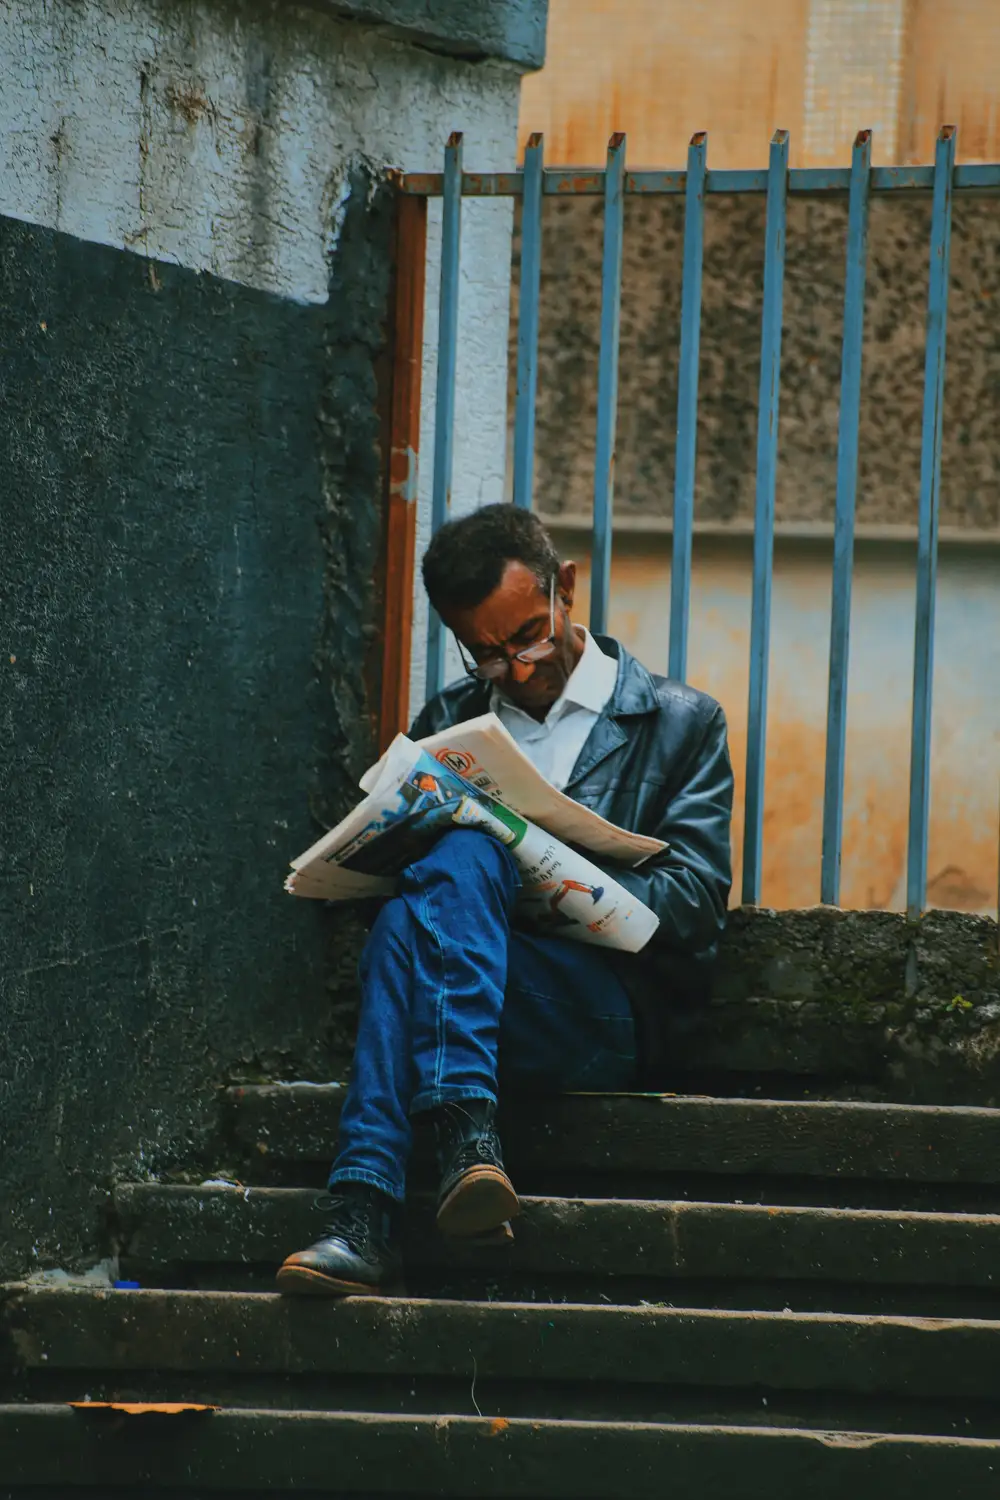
517 615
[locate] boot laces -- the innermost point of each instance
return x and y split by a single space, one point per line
347 1218
469 1140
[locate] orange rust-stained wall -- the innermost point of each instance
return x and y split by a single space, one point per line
965 760
954 77
662 69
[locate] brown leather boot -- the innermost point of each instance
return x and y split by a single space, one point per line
356 1255
476 1195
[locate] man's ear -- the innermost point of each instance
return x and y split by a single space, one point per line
566 583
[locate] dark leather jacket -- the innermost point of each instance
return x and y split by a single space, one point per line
656 762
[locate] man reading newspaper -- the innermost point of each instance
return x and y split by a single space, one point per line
458 998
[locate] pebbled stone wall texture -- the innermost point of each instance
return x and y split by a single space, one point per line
892 385
195 266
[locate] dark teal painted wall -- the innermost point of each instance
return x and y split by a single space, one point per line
189 534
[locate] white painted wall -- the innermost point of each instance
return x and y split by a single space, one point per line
218 136
854 78
480 452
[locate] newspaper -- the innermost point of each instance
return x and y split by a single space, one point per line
474 776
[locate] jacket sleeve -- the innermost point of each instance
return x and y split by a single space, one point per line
688 885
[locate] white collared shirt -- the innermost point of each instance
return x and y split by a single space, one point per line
553 745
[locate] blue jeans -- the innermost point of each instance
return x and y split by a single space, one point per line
450 993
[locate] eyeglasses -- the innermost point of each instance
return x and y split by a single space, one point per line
499 665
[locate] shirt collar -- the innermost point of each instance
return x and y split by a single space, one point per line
590 684
592 680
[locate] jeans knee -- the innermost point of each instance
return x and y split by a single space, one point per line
470 851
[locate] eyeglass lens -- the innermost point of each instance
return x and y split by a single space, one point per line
499 666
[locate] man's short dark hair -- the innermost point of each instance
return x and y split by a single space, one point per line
467 558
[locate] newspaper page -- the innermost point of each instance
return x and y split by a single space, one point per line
414 797
485 754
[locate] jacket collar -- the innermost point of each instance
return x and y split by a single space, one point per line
635 690
634 694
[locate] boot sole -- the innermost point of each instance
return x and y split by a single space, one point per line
299 1281
481 1200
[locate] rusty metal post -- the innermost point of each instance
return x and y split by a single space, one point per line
404 450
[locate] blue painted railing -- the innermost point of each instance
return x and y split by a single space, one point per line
687 406
843 530
763 530
614 183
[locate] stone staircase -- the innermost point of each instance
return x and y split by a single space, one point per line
705 1297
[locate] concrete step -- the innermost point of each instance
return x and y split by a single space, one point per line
620 1136
547 1360
255 1451
604 1240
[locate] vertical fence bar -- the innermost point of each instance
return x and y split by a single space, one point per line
843 534
687 405
404 448
444 408
930 485
607 382
529 294
763 539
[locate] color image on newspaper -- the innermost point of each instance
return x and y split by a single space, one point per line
414 797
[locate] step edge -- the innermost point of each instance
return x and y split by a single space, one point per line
432 1423
123 1192
236 1093
499 1310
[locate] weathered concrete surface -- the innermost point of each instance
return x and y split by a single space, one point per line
190 547
542 1360
45 1329
913 1009
462 1456
850 958
191 528
513 31
221 135
855 1004
590 1237
618 1135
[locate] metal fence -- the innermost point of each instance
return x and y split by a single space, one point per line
532 184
